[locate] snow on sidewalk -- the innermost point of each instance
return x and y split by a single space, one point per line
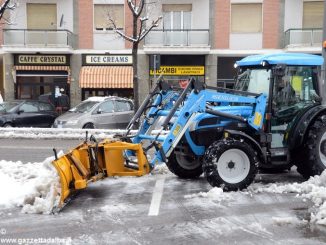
32 186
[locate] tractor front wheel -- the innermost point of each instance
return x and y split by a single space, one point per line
314 158
230 164
185 166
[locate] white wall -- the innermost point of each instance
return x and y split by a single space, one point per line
108 40
293 14
64 7
246 41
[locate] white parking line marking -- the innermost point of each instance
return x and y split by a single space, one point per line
157 197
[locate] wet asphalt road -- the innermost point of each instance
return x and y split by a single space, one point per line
116 211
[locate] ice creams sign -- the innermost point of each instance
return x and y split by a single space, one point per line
108 59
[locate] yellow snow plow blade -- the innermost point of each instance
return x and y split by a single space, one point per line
90 162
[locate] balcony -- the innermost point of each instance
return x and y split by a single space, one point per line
303 38
177 38
31 38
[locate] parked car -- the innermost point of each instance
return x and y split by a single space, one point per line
27 113
98 112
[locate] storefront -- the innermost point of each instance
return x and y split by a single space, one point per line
35 75
177 69
103 75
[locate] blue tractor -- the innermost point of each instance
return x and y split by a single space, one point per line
272 119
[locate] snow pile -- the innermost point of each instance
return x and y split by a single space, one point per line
287 220
214 194
313 189
33 186
160 169
57 133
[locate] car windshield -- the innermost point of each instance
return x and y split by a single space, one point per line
254 81
8 106
83 107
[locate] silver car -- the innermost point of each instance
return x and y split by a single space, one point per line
98 112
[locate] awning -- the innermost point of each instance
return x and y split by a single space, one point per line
106 77
46 68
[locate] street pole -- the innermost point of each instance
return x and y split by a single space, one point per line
323 72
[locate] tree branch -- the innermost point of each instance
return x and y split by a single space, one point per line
154 24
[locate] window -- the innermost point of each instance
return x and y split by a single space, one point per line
177 16
123 106
102 14
41 16
254 81
106 107
246 18
313 13
29 107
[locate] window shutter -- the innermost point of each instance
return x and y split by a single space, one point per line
177 7
102 13
41 16
246 18
313 13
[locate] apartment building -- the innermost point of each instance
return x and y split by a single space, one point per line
71 44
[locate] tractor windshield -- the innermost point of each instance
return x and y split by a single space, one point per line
254 81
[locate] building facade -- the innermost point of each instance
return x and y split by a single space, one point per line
72 45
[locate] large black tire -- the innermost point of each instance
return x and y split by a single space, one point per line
185 167
313 161
230 164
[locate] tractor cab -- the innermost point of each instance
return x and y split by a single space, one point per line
292 83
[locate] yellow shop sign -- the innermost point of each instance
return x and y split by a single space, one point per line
180 71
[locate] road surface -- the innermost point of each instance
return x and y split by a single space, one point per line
159 209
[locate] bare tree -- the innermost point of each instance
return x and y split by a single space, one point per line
139 32
6 5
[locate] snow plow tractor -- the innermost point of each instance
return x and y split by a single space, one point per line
272 119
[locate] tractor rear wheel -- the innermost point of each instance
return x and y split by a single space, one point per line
230 164
185 166
314 158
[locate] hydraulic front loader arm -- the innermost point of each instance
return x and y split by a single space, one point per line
198 102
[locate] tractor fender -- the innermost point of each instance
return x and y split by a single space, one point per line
300 128
249 140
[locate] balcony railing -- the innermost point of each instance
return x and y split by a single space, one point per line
303 37
186 37
38 38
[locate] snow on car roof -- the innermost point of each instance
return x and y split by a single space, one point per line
98 98
282 58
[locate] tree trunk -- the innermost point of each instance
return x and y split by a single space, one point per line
135 76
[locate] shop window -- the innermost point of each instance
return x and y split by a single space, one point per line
246 18
102 14
41 16
313 13
177 16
